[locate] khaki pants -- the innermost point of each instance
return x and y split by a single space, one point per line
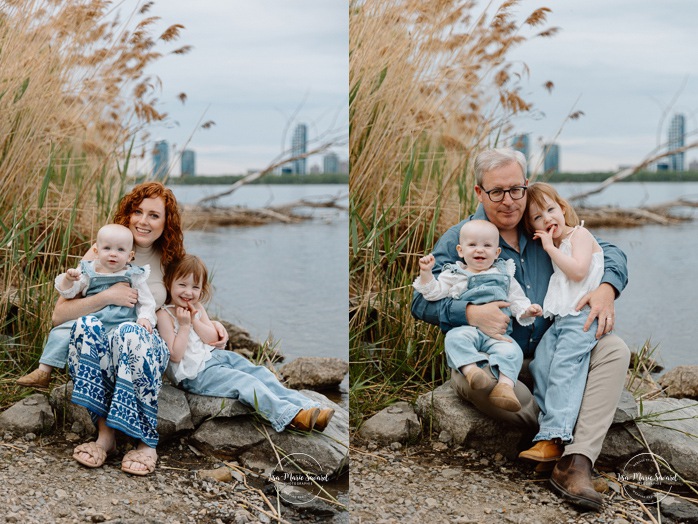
607 370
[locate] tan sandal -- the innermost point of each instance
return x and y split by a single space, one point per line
139 457
96 452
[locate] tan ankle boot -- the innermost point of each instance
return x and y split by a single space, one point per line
35 379
503 397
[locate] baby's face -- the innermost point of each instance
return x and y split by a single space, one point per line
479 247
114 251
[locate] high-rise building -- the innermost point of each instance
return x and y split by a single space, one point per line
677 133
188 163
298 147
521 143
161 159
330 163
551 162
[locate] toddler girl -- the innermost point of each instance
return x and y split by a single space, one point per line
561 361
199 368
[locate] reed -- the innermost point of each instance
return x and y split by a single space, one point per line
76 97
430 85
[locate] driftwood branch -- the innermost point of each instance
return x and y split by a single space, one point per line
625 173
628 217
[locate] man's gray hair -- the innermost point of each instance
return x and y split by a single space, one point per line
490 159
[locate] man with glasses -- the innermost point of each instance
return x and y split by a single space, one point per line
500 177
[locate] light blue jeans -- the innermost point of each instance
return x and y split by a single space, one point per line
468 345
55 353
230 375
559 369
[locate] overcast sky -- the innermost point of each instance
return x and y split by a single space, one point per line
255 66
627 64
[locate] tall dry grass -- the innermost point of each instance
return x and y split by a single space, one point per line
75 96
430 85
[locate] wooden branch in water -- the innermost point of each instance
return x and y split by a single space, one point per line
637 216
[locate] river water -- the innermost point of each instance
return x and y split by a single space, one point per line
290 280
659 301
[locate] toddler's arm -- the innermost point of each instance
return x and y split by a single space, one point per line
203 325
176 342
575 266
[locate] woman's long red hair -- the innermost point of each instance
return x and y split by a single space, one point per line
171 242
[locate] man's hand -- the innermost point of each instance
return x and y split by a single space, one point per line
120 294
601 302
489 318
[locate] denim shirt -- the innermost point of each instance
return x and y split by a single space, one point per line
533 271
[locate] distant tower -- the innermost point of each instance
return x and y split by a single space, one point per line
298 147
330 163
188 163
161 159
521 143
677 132
551 163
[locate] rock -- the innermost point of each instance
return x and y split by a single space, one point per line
444 410
667 424
314 373
651 364
226 437
238 338
681 382
30 415
680 510
396 423
173 412
210 407
627 408
218 474
77 418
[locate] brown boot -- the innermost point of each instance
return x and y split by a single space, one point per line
572 479
36 379
544 451
503 397
305 419
479 379
324 418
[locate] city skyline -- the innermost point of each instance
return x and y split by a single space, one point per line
624 65
256 70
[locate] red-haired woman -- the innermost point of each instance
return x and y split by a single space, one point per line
117 377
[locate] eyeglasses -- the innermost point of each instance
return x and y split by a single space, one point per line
497 194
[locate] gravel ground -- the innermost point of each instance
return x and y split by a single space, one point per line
433 483
41 483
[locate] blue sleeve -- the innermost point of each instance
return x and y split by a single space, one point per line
448 312
615 265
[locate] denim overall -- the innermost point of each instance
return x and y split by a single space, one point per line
55 351
466 344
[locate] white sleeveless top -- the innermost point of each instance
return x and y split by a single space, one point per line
564 294
195 357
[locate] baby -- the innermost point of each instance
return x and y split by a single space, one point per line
481 279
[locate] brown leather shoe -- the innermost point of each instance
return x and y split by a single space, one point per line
324 418
36 379
572 479
544 451
479 379
503 397
305 419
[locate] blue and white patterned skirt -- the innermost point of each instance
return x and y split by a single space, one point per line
117 375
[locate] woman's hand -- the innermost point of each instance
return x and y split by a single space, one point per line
120 294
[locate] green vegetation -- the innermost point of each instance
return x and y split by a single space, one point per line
74 97
429 86
643 176
321 178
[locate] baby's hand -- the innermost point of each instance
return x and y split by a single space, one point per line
145 323
534 310
73 274
183 315
426 263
